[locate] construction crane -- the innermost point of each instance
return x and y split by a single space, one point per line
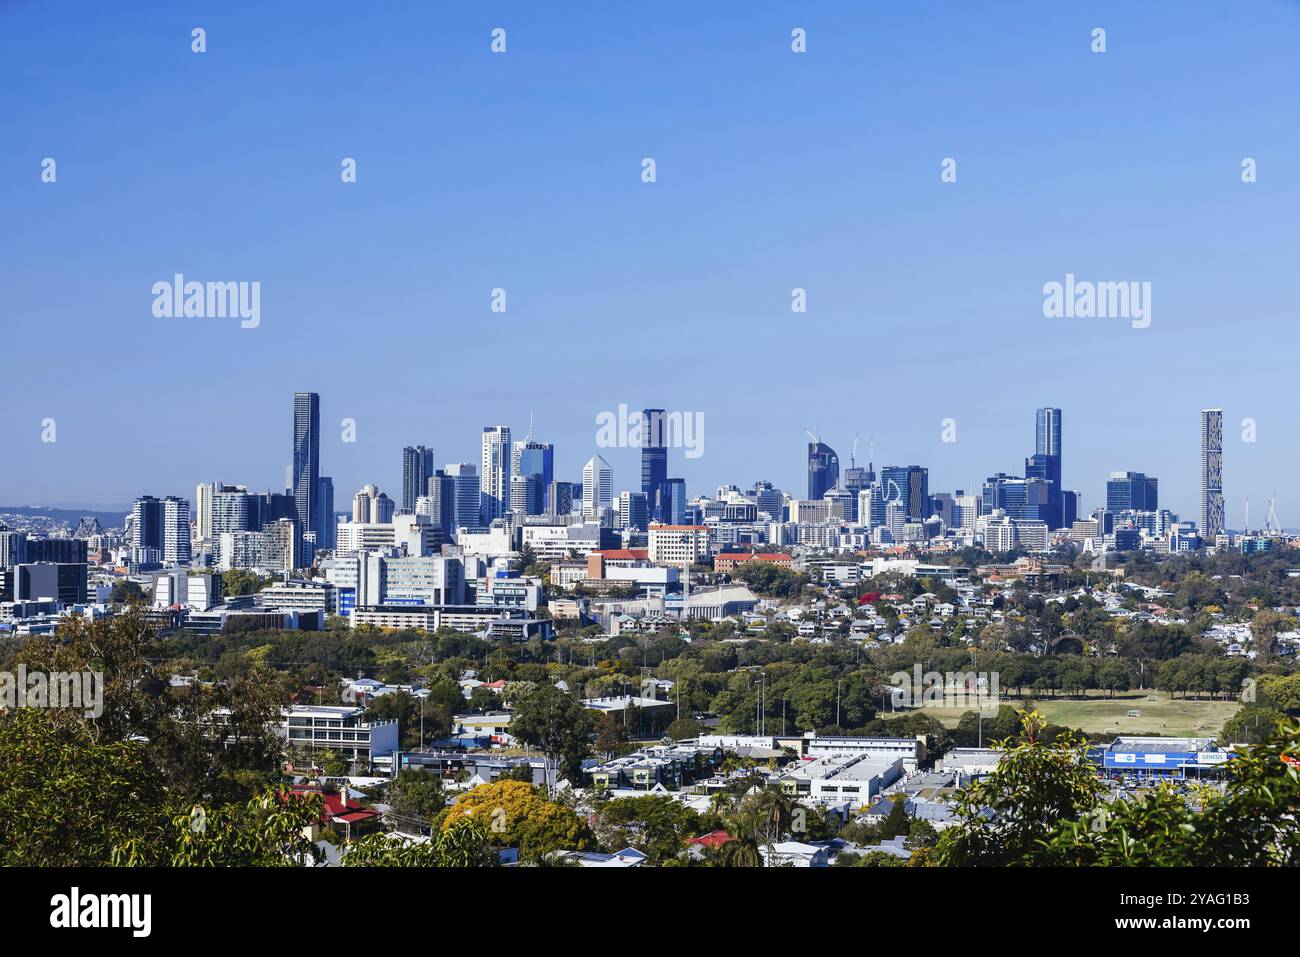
812 435
1246 521
853 456
1271 523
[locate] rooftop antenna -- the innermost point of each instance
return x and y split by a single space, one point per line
529 437
1246 520
871 453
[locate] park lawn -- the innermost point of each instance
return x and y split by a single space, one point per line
1176 717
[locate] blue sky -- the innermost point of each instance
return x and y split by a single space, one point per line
522 171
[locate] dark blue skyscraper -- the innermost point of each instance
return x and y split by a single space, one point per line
1045 463
325 521
536 459
306 462
823 469
654 459
908 485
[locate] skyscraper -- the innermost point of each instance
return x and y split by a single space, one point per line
823 469
468 495
441 497
672 501
597 486
1211 474
495 474
147 524
533 460
417 466
654 458
306 462
175 531
204 493
326 523
909 486
1048 432
559 498
1045 463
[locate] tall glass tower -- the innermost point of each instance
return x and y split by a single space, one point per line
654 460
1045 463
823 470
306 463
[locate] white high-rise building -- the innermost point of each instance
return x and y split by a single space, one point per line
965 510
597 486
496 471
204 493
176 531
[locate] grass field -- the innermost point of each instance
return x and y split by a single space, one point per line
1098 714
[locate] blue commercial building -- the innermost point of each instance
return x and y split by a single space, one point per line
537 459
909 485
1132 491
1155 757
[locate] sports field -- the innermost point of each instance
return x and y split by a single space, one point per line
1098 714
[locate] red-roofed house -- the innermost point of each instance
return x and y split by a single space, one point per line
341 814
726 561
714 839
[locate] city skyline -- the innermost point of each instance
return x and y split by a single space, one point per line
497 447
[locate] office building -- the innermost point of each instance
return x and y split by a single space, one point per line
823 469
1131 491
908 485
597 487
468 495
535 459
326 523
654 457
306 462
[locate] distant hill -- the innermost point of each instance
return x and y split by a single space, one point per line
69 516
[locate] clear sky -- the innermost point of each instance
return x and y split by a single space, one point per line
522 170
